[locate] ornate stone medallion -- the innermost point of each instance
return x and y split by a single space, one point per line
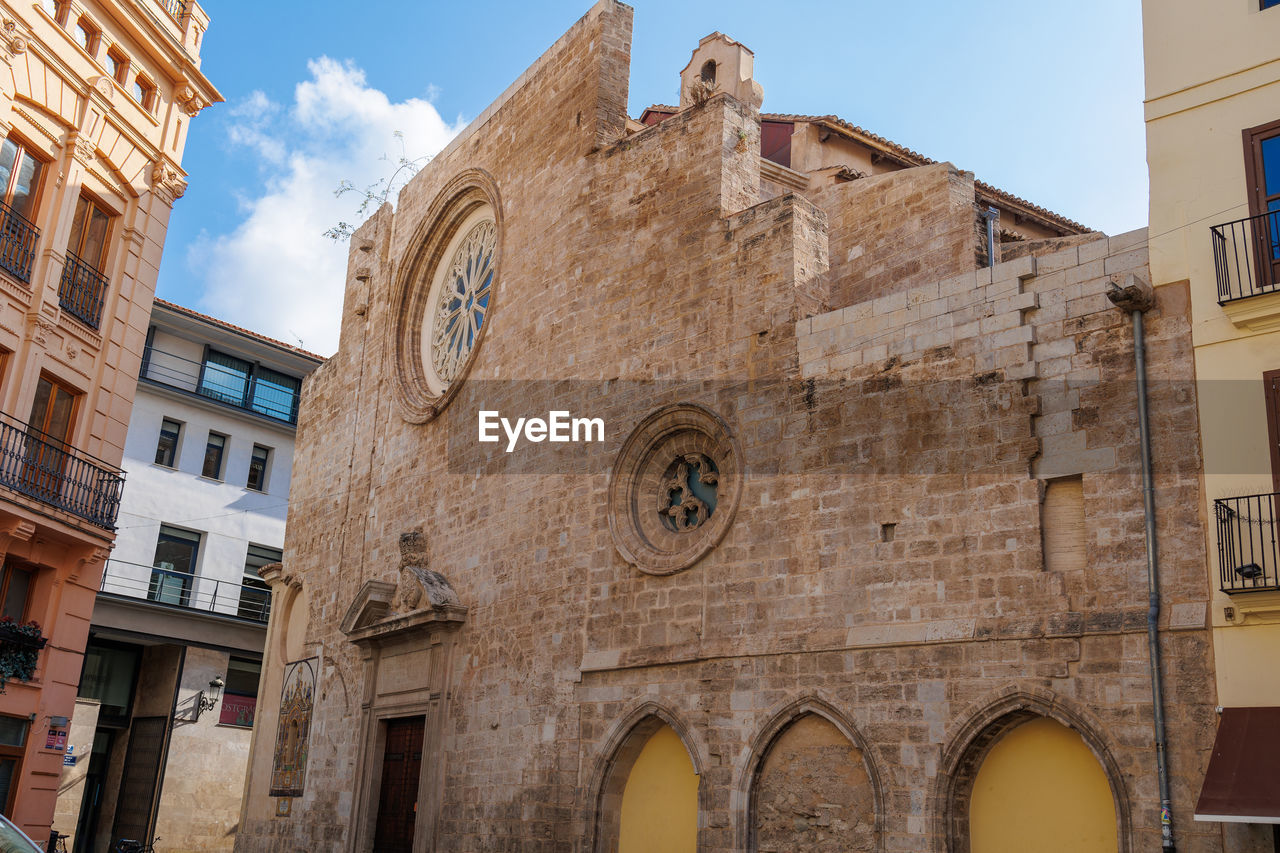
674 489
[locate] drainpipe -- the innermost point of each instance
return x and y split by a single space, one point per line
991 215
1135 296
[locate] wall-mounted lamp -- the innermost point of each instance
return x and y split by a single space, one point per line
209 701
1249 571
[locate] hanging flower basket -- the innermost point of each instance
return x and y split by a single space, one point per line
20 645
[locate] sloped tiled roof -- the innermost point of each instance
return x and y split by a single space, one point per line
239 330
911 158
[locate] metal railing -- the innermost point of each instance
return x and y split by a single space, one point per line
18 236
185 590
175 8
1248 549
249 393
82 290
1245 256
42 467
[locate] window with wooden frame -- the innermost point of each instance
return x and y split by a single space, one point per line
15 590
144 92
53 410
118 66
20 173
87 35
13 743
90 230
1262 181
45 454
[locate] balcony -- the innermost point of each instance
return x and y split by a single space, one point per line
1246 256
185 591
227 380
46 469
18 238
82 290
1248 548
175 8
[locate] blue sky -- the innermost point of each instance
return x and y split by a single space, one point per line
1041 99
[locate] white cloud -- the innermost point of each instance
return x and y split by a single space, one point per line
276 272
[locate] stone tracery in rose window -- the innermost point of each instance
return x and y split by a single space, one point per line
463 301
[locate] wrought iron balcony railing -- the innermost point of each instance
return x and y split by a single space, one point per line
175 8
1246 256
48 470
185 590
18 238
82 291
1248 548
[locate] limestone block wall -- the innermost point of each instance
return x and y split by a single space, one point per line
884 568
898 230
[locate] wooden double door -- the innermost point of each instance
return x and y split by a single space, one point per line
398 793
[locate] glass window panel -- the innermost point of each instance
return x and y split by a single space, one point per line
108 677
225 378
176 549
95 242
77 225
242 677
17 587
1271 165
8 835
9 152
258 467
213 456
167 446
25 185
139 91
13 731
275 395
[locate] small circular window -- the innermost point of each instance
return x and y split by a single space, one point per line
674 489
459 299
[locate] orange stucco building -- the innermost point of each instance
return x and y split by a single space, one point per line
95 102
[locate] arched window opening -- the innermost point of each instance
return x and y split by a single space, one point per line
1040 789
709 72
650 797
812 792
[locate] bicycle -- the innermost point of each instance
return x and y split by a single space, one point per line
57 842
129 845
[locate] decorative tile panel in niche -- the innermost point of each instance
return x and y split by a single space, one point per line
289 767
674 489
446 294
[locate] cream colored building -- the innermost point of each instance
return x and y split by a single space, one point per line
1213 145
96 100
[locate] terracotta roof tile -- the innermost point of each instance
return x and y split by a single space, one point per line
239 329
912 158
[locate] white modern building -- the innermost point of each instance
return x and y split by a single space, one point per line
160 738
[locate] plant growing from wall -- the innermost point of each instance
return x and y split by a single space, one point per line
20 645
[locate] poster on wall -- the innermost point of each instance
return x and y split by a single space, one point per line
289 768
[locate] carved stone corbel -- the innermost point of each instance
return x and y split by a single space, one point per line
190 102
167 183
82 148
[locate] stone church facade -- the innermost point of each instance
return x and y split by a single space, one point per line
866 521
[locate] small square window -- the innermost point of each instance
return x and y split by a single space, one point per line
118 66
144 92
87 35
167 446
258 463
213 453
